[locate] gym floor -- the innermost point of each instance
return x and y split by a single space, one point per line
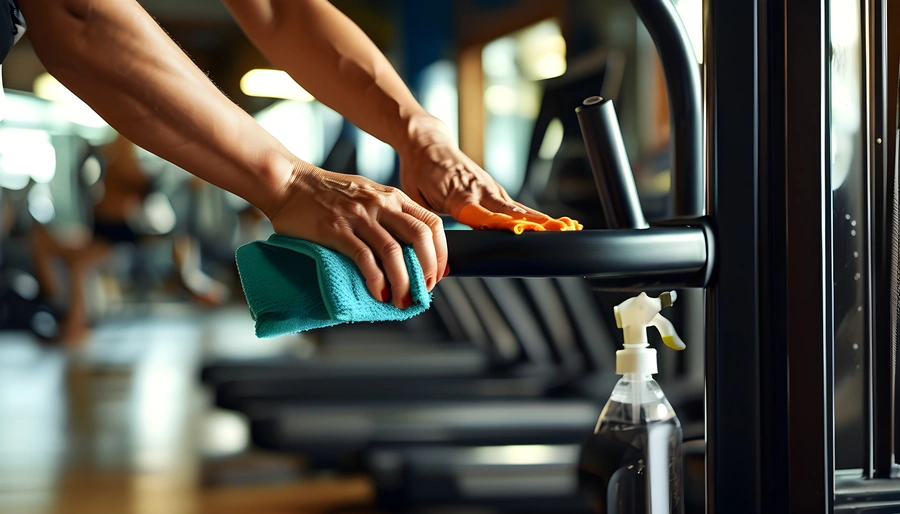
123 426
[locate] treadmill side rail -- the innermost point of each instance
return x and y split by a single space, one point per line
670 255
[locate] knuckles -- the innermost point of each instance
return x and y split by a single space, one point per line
363 255
391 250
423 232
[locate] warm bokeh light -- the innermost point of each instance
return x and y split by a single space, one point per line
501 99
47 87
553 139
273 84
550 65
543 51
297 126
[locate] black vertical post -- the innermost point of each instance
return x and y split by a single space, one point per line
881 178
733 378
806 174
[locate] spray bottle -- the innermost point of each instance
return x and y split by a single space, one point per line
632 463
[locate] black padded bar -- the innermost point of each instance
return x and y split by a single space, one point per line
658 252
609 162
682 72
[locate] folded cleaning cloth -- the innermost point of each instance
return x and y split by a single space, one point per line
480 218
292 285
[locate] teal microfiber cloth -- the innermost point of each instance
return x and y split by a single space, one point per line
293 285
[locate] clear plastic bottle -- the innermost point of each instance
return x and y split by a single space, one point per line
632 464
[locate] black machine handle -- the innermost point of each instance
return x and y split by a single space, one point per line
609 163
664 256
682 73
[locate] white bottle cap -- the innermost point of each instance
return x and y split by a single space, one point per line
636 360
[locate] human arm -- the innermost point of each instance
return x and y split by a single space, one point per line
115 57
339 65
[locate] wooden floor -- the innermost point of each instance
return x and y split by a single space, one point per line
123 426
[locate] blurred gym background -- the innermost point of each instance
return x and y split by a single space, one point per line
130 378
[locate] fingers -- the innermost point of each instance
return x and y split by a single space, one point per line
390 253
438 237
365 260
416 233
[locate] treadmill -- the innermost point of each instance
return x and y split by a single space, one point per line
439 409
431 353
337 431
537 364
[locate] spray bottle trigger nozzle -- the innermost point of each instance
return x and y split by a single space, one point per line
668 333
668 298
674 342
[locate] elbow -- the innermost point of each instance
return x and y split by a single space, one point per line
78 10
58 30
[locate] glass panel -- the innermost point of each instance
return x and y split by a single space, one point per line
513 66
850 251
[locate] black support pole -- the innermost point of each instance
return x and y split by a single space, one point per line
682 74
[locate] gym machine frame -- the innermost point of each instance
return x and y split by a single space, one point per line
770 417
758 239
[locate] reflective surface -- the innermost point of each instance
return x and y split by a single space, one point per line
122 427
850 232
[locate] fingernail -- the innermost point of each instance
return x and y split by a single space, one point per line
446 271
385 295
407 301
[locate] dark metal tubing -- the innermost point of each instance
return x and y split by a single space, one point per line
682 73
609 163
733 377
806 172
775 486
631 254
880 191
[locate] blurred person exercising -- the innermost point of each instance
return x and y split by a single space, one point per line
125 189
114 56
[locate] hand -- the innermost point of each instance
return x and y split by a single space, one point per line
363 220
437 174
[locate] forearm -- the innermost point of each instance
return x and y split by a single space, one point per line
121 63
335 61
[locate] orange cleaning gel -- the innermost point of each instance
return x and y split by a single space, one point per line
480 218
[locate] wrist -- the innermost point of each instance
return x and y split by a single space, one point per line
281 175
422 131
